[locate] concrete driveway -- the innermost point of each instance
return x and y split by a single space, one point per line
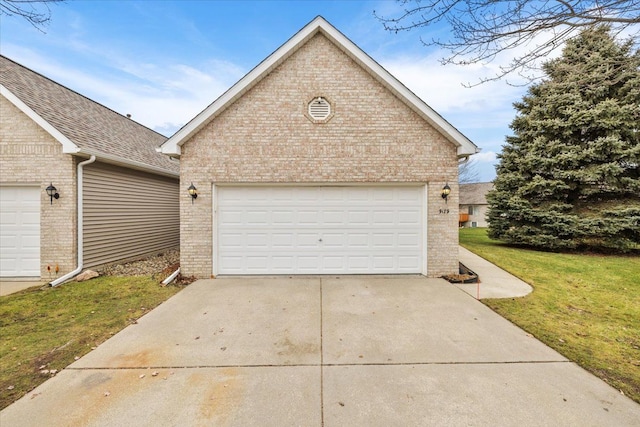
362 351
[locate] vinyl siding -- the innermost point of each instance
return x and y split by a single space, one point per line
127 214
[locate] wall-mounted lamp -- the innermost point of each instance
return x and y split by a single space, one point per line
193 192
52 192
446 190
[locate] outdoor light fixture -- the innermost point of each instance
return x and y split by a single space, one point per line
446 190
52 192
193 192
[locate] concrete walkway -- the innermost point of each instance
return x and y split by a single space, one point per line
494 282
11 286
330 351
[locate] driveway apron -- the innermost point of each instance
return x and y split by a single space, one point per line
322 351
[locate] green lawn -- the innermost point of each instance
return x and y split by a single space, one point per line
585 306
46 329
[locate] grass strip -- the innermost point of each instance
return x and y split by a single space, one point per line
585 306
46 329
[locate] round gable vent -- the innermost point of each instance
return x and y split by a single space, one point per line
319 108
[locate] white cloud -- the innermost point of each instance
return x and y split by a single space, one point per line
442 86
484 157
160 96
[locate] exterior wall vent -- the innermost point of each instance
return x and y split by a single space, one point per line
319 110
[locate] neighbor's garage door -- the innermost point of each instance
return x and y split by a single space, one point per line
319 230
19 231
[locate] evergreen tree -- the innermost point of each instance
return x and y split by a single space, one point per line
569 177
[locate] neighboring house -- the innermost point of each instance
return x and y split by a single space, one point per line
318 161
51 135
473 204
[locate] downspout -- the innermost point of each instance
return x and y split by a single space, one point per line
171 277
80 222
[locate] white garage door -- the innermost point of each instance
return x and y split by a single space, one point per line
319 230
19 231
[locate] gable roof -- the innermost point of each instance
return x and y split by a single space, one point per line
81 125
319 25
474 194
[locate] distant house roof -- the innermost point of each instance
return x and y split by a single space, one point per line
464 146
474 194
81 125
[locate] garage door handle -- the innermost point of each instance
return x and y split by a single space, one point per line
319 240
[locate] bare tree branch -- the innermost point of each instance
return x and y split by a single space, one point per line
468 172
479 30
36 12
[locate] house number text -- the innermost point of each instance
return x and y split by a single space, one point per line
444 211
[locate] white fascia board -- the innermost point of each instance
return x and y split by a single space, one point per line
67 146
130 164
464 146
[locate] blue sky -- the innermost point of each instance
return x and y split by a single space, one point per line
165 61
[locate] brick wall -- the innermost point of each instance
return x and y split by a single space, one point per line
30 156
265 137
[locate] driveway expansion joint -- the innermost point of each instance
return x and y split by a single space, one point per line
321 363
311 365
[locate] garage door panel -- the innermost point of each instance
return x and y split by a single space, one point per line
383 240
382 262
282 263
384 194
359 217
333 217
408 241
307 240
257 263
409 217
31 219
358 263
229 217
309 264
229 241
283 217
31 241
19 231
9 217
255 217
334 240
408 262
337 195
8 241
282 241
358 240
308 217
257 241
319 230
384 217
278 194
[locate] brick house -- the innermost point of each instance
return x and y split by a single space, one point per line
115 196
318 161
473 204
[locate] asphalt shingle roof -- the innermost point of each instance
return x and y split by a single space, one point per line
474 194
84 122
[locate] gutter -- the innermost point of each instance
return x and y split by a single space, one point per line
78 269
132 164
